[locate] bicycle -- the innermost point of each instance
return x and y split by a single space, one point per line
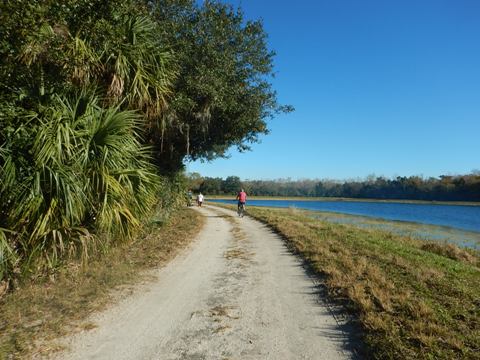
241 209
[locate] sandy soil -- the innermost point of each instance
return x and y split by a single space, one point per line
236 293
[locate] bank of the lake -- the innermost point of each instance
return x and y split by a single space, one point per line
442 234
464 218
415 299
316 198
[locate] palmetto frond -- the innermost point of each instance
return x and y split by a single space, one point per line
7 172
8 256
119 170
38 46
141 70
89 172
83 61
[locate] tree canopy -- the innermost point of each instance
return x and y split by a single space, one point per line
101 103
222 95
199 74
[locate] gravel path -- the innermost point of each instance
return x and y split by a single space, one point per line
237 293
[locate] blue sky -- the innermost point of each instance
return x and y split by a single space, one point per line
385 87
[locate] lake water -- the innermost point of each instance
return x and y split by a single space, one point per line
455 216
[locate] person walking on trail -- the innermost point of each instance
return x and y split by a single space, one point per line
242 200
199 199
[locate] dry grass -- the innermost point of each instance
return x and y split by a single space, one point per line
415 299
237 253
452 252
43 310
221 311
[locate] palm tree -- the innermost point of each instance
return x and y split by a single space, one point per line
140 69
89 175
82 175
8 257
136 69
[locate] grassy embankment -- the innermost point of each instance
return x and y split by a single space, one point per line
439 233
35 315
415 299
305 198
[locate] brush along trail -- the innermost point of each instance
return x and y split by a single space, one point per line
236 293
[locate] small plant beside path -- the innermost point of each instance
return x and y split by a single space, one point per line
32 317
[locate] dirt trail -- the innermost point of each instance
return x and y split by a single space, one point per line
237 293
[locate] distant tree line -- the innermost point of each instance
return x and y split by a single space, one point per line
443 188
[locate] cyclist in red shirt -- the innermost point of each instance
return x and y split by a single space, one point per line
242 199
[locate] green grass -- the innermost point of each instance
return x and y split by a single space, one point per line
424 231
414 299
37 313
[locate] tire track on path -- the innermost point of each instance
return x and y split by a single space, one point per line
236 293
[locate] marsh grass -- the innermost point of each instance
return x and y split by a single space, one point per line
43 310
436 233
414 299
